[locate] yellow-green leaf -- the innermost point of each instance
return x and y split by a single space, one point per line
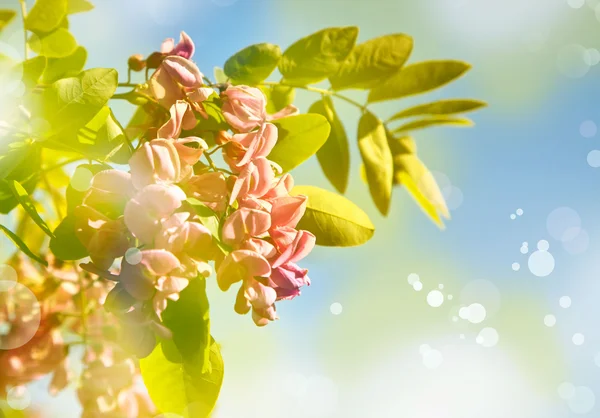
21 245
372 62
220 76
65 245
278 97
179 388
46 15
317 56
57 44
433 121
68 66
32 70
440 107
419 78
6 16
299 138
333 219
420 183
23 197
334 155
253 64
376 155
78 6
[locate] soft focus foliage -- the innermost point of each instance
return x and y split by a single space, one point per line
198 181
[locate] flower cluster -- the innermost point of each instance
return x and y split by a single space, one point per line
145 217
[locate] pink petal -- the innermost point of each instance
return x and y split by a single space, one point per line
289 110
287 211
183 71
167 46
245 223
239 265
185 48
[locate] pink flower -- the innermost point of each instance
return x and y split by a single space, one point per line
256 144
182 117
254 180
241 265
287 210
140 280
244 107
289 110
280 187
185 48
109 192
151 206
156 161
179 235
243 224
171 81
210 189
261 298
183 71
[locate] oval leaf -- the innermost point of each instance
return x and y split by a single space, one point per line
32 70
22 246
278 97
419 78
431 122
46 15
334 155
173 387
219 74
377 158
78 6
68 66
6 16
299 138
440 107
317 56
373 62
335 220
253 64
57 44
23 197
65 245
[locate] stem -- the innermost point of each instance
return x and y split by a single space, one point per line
212 151
320 91
127 84
210 162
24 16
62 164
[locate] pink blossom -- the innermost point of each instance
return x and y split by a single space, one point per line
151 206
261 298
184 48
243 224
244 107
109 192
254 180
140 280
182 117
280 187
241 265
257 143
179 235
289 110
287 210
210 189
171 81
156 161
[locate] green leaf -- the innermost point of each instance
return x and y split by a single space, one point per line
220 76
373 62
22 246
173 387
65 245
431 122
420 183
278 97
57 44
299 138
6 16
334 155
335 220
210 220
11 155
377 158
23 197
318 56
418 78
68 66
32 70
253 64
19 161
215 121
78 6
46 15
440 107
70 103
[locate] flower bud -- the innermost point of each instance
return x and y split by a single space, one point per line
136 62
154 60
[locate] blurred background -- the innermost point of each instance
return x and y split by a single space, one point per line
496 316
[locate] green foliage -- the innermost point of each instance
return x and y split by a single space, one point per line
219 74
46 15
6 16
210 220
334 155
373 62
32 70
19 161
68 66
335 220
433 121
278 97
440 107
70 103
300 137
22 246
78 6
253 64
56 44
182 388
317 56
25 200
215 121
65 245
418 78
377 158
